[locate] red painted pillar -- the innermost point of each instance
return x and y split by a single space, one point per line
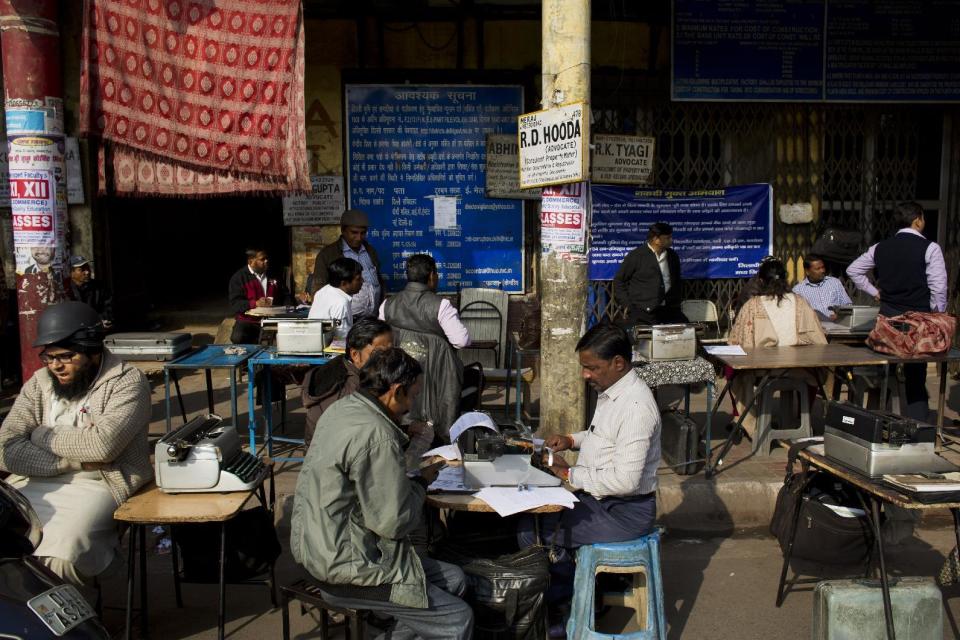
33 103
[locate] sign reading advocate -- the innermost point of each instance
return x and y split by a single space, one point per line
553 146
622 160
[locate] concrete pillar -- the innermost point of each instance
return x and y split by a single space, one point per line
33 102
565 79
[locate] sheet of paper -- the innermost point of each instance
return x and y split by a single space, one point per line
725 350
447 452
449 479
468 420
509 500
444 212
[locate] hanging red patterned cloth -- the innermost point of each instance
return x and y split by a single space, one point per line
193 97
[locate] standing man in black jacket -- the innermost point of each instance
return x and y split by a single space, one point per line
648 283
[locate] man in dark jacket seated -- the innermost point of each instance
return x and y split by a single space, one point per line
355 507
251 287
648 282
340 377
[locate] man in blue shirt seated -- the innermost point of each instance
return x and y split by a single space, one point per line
820 290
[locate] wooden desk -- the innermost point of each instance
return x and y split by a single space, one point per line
871 491
810 356
151 506
816 356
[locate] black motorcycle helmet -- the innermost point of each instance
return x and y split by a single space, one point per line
74 322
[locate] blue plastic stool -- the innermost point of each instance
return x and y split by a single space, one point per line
641 558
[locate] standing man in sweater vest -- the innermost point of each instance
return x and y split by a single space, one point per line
910 275
428 328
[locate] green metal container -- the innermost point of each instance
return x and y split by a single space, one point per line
853 610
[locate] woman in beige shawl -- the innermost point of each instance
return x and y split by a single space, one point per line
773 318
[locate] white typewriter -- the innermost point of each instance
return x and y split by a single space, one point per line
205 455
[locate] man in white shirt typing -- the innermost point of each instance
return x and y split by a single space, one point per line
333 301
616 472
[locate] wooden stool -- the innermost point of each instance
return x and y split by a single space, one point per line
308 592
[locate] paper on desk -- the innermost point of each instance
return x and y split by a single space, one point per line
725 350
469 420
509 500
449 479
447 452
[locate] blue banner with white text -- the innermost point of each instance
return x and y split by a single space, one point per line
718 233
416 164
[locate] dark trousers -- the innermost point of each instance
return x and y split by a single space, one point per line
446 617
915 388
245 333
589 522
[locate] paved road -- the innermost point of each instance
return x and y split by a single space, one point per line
719 588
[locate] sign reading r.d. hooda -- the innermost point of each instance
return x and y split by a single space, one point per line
553 146
622 160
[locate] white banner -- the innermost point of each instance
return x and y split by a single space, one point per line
563 221
38 201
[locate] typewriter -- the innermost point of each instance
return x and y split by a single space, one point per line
876 443
205 455
501 457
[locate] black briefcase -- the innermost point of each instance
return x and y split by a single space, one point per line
680 443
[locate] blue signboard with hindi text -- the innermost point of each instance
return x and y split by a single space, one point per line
718 233
416 158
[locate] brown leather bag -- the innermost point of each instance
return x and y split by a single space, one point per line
913 334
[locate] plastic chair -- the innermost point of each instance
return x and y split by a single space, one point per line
790 391
702 311
638 558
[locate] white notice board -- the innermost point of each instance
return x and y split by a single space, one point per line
553 146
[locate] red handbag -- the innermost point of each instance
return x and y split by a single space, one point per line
913 334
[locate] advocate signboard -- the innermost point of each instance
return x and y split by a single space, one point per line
622 160
553 146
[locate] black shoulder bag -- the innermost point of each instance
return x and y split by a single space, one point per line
823 535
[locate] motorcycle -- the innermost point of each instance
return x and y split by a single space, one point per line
34 602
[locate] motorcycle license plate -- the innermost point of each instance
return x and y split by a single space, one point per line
61 608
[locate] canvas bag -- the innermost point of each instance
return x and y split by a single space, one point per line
913 334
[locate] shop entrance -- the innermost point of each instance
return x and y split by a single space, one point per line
169 260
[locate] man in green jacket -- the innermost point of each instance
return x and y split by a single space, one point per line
354 509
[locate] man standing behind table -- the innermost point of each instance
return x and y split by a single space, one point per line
334 300
353 244
251 287
354 509
820 290
429 329
911 276
648 283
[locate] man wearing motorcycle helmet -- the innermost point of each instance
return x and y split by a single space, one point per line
76 441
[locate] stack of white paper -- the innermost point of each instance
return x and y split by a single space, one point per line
447 452
510 500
